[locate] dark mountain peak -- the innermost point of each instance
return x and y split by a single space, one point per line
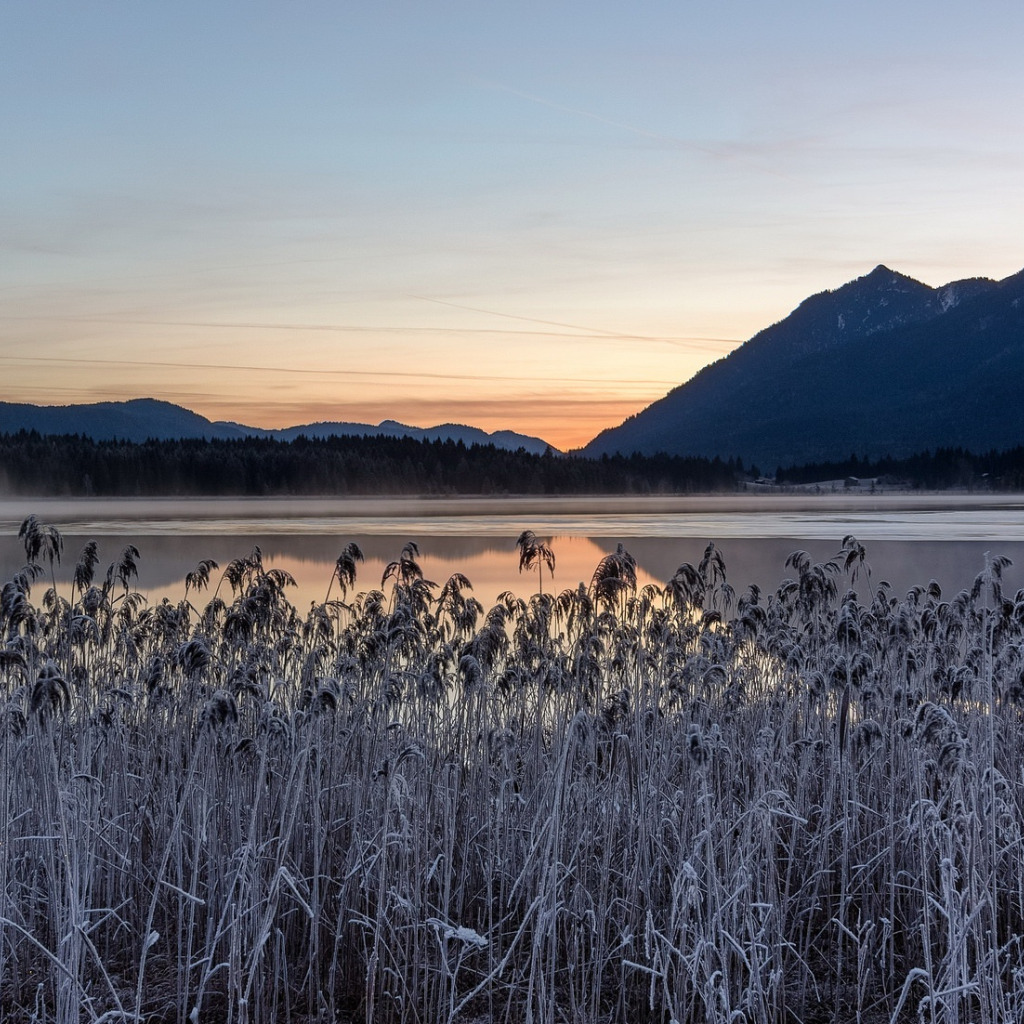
883 364
877 301
883 275
885 280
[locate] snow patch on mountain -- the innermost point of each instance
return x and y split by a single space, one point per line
948 297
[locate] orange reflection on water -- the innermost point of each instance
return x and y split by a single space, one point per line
491 568
490 563
909 541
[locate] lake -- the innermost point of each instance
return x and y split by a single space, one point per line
910 539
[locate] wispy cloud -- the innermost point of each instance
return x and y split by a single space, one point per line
570 332
326 372
589 332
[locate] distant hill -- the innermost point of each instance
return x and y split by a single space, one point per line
507 439
143 419
138 420
884 365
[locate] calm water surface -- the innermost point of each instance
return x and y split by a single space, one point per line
909 539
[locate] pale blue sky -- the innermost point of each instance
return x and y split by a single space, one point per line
537 216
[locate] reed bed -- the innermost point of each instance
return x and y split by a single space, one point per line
679 804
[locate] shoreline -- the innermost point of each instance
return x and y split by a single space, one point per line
72 510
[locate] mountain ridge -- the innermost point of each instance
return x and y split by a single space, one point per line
882 365
141 419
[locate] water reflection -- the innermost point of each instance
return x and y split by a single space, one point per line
906 544
490 563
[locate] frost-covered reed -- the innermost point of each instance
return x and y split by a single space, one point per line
606 804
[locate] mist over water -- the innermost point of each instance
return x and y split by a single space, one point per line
909 540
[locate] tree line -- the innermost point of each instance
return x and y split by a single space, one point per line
74 465
941 469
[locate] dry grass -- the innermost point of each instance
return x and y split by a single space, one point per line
603 805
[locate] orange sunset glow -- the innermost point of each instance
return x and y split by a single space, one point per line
507 217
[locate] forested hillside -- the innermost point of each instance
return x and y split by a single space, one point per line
883 365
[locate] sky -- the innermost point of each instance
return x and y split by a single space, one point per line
536 216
